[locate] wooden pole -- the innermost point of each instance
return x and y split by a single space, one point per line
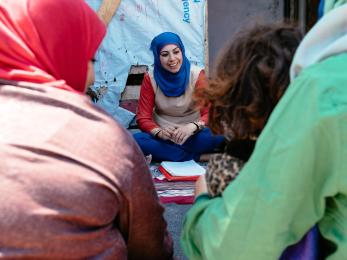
207 56
302 15
107 10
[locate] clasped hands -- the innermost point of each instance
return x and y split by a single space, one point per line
177 135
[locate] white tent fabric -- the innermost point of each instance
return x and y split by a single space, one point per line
128 38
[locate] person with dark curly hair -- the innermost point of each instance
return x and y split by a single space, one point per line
296 177
250 78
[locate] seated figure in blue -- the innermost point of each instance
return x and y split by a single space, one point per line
173 129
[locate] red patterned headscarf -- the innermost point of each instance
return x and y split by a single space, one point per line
48 41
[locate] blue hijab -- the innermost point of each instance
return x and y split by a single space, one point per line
171 84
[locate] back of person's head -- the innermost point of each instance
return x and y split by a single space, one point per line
48 41
250 78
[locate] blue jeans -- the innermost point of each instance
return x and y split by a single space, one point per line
161 150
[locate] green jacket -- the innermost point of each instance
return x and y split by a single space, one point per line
296 177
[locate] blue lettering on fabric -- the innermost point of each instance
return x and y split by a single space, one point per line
186 11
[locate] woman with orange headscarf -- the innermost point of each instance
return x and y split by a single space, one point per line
65 194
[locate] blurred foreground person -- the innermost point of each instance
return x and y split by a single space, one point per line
64 193
296 177
251 78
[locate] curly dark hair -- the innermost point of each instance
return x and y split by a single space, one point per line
250 78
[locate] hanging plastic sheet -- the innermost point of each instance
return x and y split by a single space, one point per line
128 39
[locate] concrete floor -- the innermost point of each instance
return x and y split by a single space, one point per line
174 214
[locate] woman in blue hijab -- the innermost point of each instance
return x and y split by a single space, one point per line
173 129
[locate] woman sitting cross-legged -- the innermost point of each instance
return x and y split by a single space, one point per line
173 129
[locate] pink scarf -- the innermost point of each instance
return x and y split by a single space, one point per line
48 41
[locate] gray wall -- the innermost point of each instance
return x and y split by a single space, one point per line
225 17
